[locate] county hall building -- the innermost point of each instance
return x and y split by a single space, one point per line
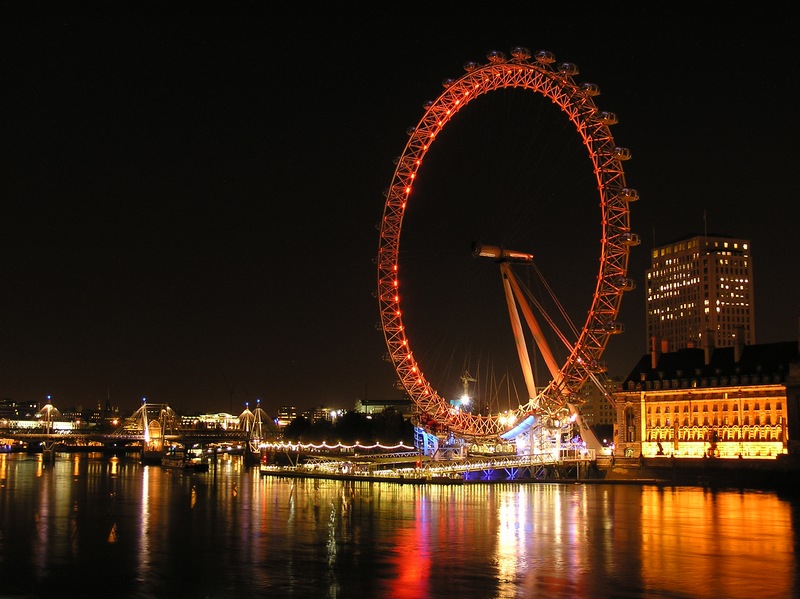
706 388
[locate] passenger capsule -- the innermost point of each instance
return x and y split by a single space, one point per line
598 366
521 53
569 69
624 283
621 154
428 104
545 57
615 328
590 89
630 239
496 57
607 118
470 65
627 194
448 82
612 327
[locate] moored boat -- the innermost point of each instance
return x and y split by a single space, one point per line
12 446
179 457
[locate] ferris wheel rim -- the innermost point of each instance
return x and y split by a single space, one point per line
576 100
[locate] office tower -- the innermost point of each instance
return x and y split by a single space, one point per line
700 294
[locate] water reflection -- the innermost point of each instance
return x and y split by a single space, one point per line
93 523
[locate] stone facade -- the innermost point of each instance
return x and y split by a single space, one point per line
682 405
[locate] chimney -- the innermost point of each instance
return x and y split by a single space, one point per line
738 345
655 352
709 345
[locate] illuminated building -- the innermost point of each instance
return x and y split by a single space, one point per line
9 409
376 406
321 413
739 403
220 420
596 411
285 415
700 293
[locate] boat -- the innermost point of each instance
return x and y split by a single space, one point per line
12 446
181 458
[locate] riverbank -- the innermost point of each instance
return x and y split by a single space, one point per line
767 474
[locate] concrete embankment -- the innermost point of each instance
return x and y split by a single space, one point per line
777 474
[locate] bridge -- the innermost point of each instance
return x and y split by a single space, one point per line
88 438
148 430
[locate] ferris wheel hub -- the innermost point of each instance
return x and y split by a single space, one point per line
499 253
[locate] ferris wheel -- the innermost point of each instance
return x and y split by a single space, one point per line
555 400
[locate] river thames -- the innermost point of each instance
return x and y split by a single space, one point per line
91 525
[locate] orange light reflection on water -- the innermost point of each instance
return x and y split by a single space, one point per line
717 544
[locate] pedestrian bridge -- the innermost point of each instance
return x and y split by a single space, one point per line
151 427
77 438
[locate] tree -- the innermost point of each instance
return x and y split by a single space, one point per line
297 430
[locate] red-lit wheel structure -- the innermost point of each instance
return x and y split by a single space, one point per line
539 74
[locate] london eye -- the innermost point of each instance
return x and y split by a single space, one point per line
568 348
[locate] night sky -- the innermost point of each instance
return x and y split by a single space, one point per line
190 196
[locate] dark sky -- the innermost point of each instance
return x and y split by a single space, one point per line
190 196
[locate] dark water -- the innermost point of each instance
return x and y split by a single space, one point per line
94 526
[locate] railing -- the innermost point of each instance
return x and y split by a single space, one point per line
401 465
